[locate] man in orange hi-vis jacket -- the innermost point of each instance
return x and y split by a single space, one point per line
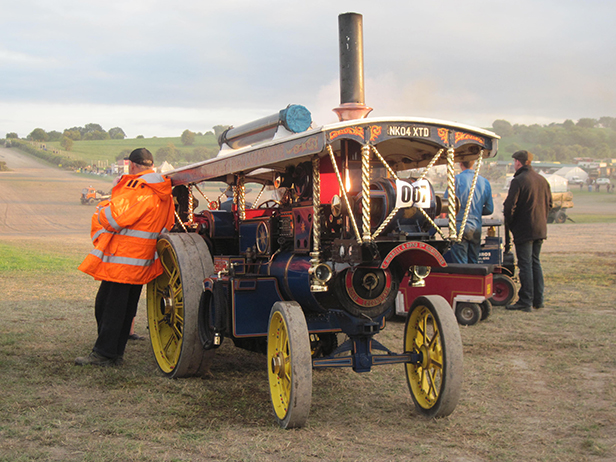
125 230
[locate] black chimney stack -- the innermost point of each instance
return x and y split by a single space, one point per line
350 26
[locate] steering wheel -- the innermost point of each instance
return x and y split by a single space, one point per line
270 203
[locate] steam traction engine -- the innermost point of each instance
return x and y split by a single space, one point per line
324 255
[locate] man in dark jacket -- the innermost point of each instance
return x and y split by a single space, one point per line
526 211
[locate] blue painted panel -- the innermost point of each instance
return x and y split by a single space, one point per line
248 235
252 302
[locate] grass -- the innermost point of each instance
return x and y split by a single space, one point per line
537 387
593 207
23 259
94 151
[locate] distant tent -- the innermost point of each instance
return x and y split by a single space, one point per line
557 183
569 172
165 167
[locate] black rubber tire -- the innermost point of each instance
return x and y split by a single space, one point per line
289 364
561 217
468 314
431 329
486 309
504 290
175 339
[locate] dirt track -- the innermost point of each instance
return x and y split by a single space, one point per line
537 387
38 201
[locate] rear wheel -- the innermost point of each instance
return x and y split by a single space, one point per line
468 314
561 217
435 382
504 290
173 305
289 364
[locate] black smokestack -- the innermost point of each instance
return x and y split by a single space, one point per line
350 26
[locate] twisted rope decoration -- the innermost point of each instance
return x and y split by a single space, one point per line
431 164
393 174
240 192
179 220
431 221
451 194
316 209
201 192
191 206
471 195
344 194
384 162
254 205
365 192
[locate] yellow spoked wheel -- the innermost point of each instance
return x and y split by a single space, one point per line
289 364
173 304
435 382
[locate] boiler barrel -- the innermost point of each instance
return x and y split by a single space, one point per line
294 118
291 271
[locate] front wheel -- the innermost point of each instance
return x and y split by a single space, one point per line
289 364
436 381
468 314
173 305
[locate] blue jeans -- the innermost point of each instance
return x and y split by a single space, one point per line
531 274
465 252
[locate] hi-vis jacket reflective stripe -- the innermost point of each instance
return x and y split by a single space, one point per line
125 230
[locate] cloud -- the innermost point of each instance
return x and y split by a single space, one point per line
199 62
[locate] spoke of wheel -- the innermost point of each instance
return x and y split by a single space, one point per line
177 330
168 345
169 269
431 386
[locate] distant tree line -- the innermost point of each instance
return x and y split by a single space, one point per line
89 132
561 142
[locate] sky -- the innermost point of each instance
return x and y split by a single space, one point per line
156 68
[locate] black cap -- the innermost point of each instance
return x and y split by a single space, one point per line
524 157
141 156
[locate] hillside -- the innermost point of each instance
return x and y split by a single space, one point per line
560 142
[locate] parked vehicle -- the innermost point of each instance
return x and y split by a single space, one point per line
90 196
561 202
575 180
601 181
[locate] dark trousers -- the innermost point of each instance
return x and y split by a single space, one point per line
114 309
531 274
465 252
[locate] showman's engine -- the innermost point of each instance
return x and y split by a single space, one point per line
307 268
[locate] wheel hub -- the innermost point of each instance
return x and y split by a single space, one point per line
277 364
425 357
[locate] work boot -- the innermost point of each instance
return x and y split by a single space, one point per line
136 337
94 359
518 307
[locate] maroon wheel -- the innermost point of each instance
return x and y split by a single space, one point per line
504 290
